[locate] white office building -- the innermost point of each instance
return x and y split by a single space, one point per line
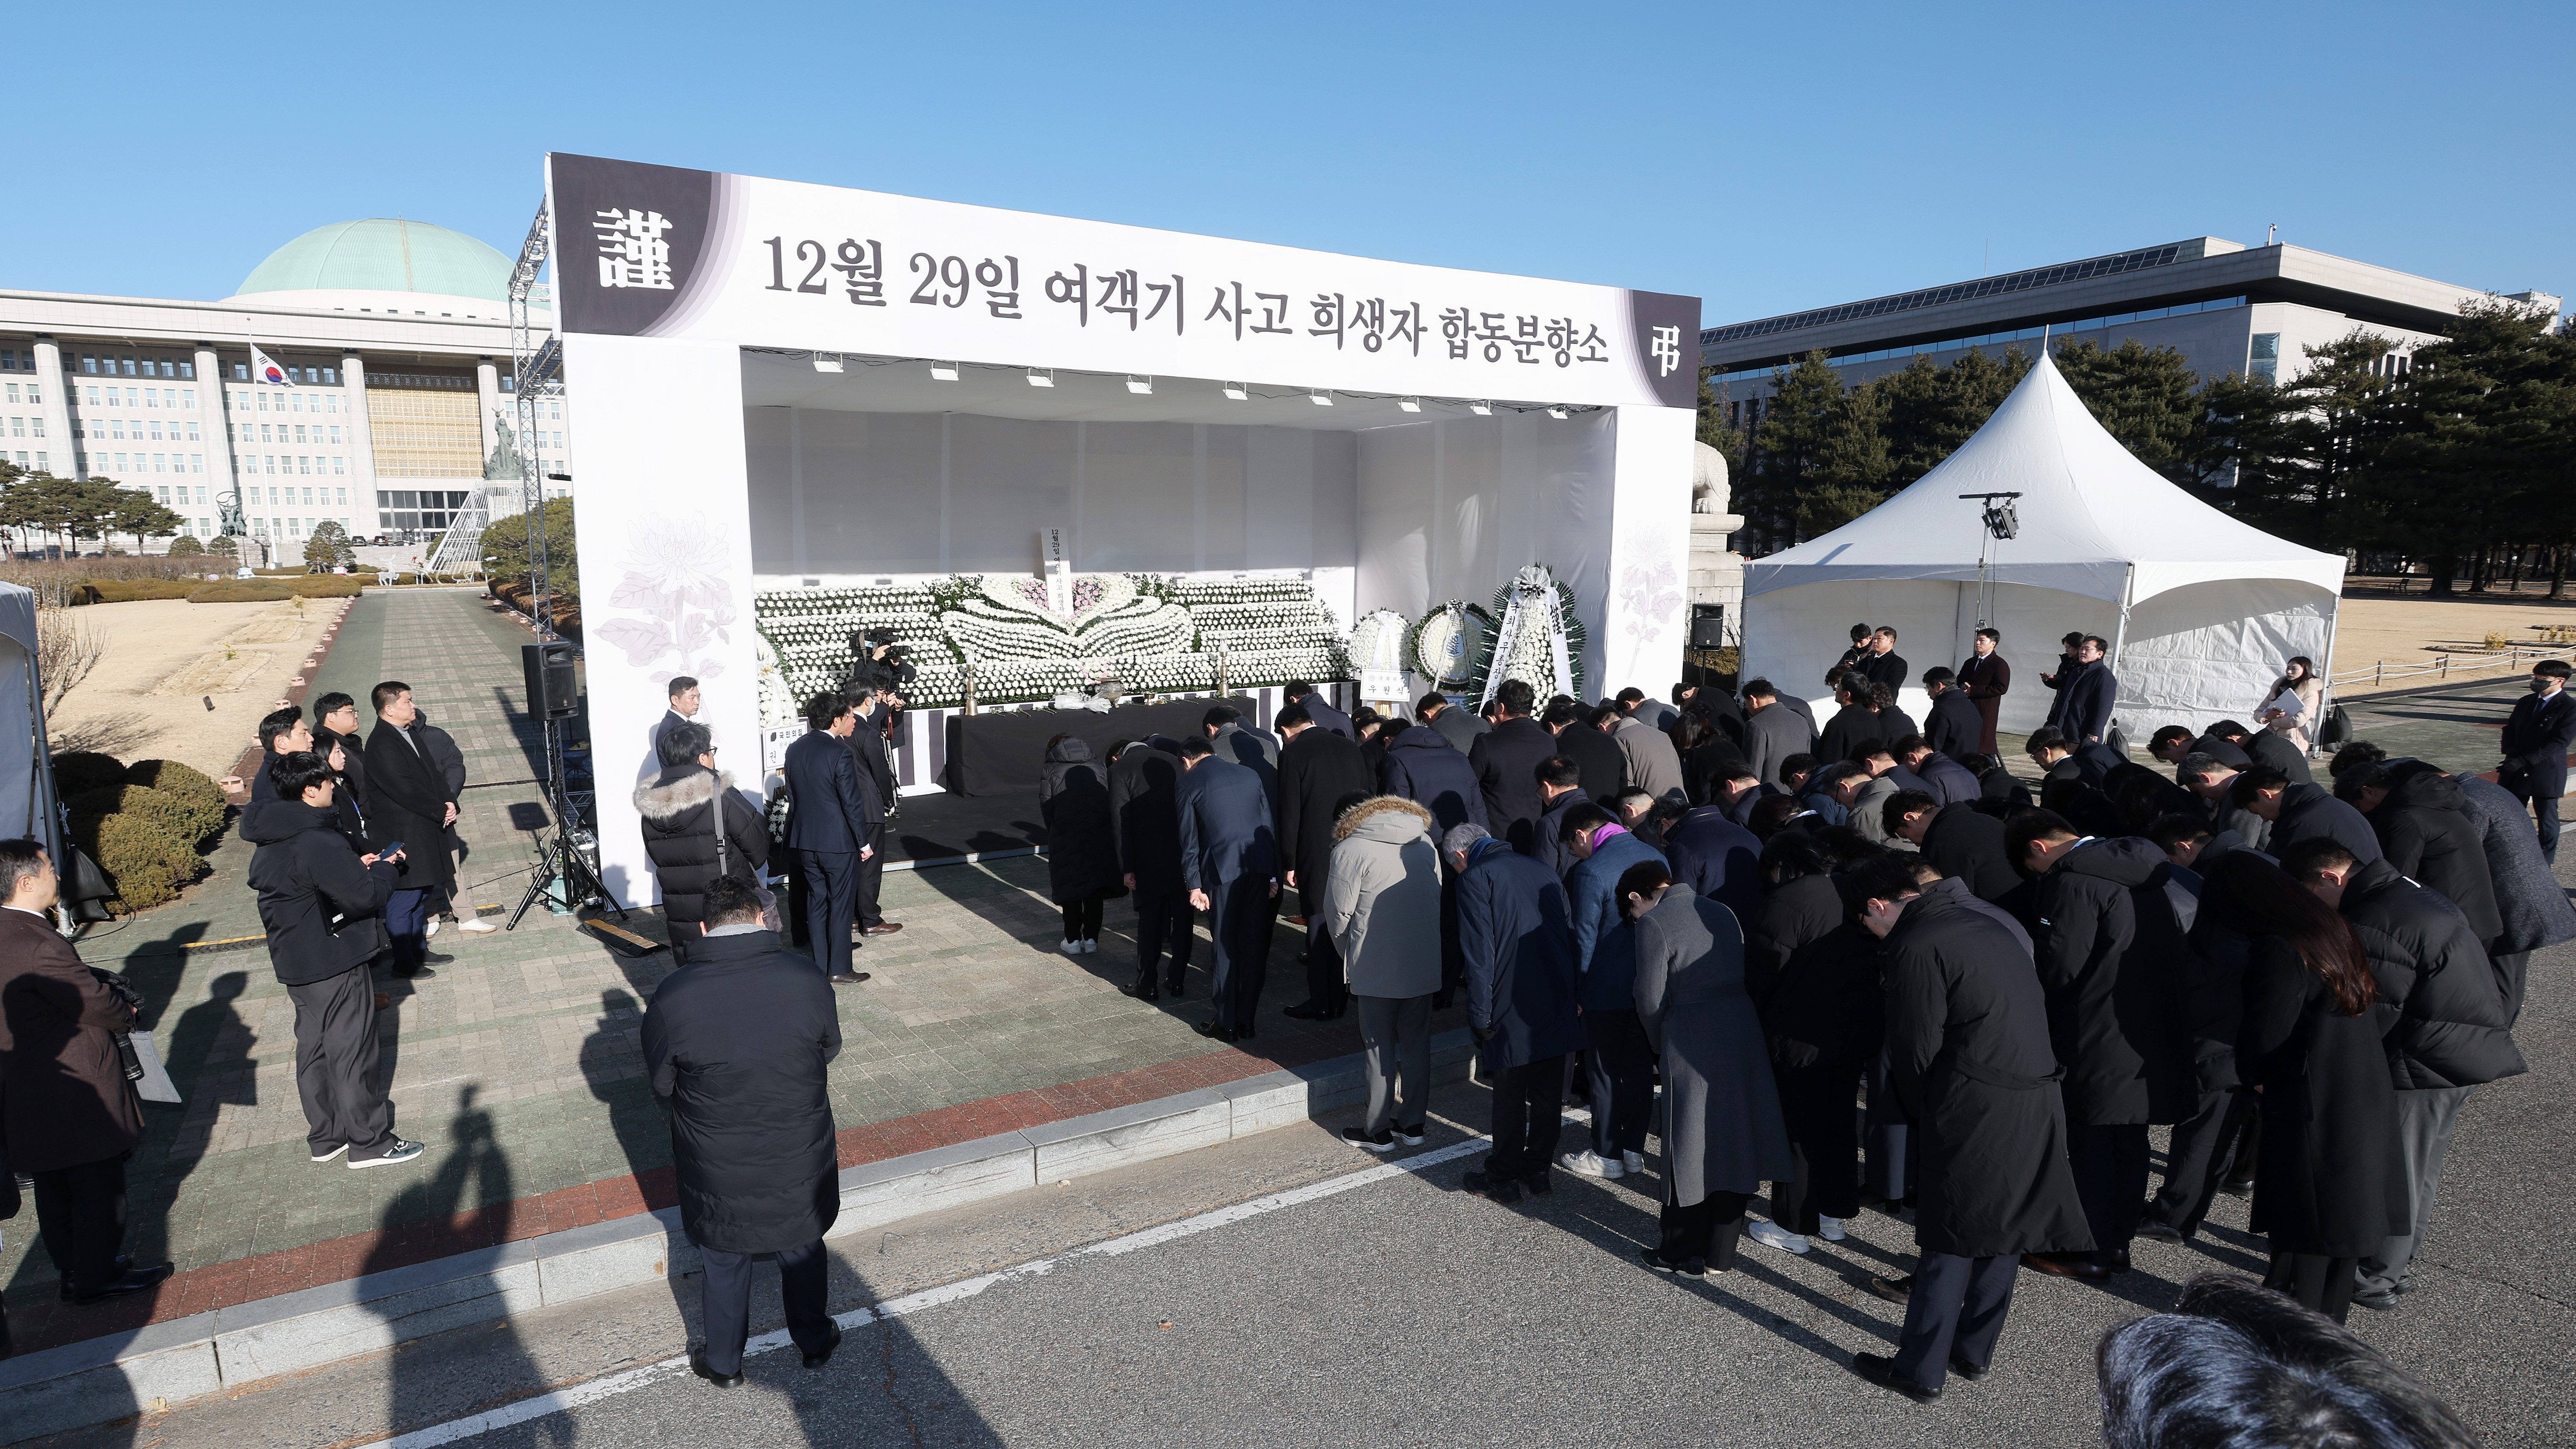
2224 306
392 343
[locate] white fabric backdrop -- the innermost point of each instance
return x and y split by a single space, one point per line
22 793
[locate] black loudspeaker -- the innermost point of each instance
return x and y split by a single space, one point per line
1708 626
550 687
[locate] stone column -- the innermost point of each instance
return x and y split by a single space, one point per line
56 414
215 417
362 451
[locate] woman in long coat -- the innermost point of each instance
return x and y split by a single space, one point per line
1082 853
1719 1115
2300 726
2330 1178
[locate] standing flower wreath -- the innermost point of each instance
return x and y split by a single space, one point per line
1532 660
1446 644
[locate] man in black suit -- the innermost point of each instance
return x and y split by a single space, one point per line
2537 737
876 781
1318 770
1244 744
685 701
1595 754
2175 743
409 803
2087 697
1506 760
2263 747
828 826
335 726
1229 852
1882 664
1319 709
1145 830
1952 727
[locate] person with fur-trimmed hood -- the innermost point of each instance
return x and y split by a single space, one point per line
679 807
1382 909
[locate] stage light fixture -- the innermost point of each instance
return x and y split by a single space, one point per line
1143 386
943 372
1557 412
1041 377
1409 404
1237 392
1319 397
1481 409
827 362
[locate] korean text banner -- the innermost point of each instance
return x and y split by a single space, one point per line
658 251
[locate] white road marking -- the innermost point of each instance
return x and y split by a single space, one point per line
575 1396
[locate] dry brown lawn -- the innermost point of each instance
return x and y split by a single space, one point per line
166 658
2374 627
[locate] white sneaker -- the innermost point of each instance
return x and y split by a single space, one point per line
396 1154
1070 947
476 925
1772 1235
1091 948
1589 1163
1633 1161
1830 1229
433 929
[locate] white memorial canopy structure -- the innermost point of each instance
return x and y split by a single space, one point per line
26 788
2201 609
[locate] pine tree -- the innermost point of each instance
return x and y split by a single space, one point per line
1789 449
2143 396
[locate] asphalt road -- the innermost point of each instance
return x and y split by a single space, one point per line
1293 1297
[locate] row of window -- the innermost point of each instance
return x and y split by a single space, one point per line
240 432
177 399
35 393
121 428
119 465
41 465
139 366
1999 339
287 497
12 360
295 373
260 400
18 428
285 463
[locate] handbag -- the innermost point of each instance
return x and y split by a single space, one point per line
769 917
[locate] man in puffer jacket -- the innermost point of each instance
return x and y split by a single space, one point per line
2415 810
2117 973
2453 1030
1382 909
680 808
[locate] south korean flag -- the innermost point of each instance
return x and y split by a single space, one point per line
263 368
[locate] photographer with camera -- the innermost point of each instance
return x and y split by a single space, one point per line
878 666
69 1116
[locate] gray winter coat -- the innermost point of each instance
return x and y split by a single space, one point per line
1773 733
1719 1115
2533 906
1382 898
1652 764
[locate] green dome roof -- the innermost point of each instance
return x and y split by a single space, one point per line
384 254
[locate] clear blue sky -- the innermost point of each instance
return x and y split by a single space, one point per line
1764 157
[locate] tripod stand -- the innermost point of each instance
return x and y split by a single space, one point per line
567 857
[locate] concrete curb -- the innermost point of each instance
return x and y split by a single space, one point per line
119 1375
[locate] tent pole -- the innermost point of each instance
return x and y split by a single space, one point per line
2120 638
2325 672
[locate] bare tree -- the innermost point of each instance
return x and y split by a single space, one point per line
67 649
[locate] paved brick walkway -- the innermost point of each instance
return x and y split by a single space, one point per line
518 1063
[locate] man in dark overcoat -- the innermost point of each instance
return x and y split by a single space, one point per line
1959 840
1969 1056
1318 709
1985 678
828 826
1595 754
68 1116
1145 828
1247 745
408 803
866 743
1952 726
1229 861
2529 901
1422 767
2117 972
1318 769
2090 696
2414 809
2537 737
2263 747
737 1042
1517 935
1506 760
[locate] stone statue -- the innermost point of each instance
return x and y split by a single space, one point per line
1716 571
503 465
1708 480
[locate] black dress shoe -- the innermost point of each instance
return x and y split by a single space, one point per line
1500 1189
131 1281
1243 1032
698 1366
1894 1290
1973 1373
2066 1265
2115 1261
847 978
1145 992
1306 1011
2159 1230
1879 1369
1212 1031
1539 1183
118 1267
1172 986
2238 1189
817 1360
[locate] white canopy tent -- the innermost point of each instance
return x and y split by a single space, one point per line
26 787
2201 609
